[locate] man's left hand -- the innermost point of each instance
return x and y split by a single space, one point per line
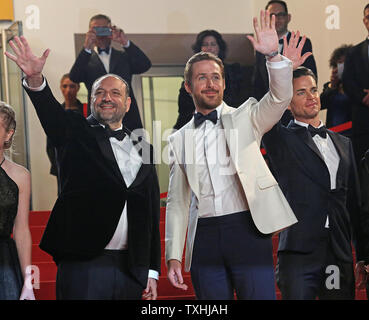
119 36
292 50
150 293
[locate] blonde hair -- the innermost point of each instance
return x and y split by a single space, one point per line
7 115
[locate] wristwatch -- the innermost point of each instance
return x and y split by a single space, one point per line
272 54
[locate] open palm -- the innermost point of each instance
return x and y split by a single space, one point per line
292 50
266 40
30 64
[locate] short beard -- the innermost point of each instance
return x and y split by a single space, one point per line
115 118
201 104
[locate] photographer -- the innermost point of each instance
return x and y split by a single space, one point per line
98 58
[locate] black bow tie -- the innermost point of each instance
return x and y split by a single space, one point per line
322 131
280 41
117 134
200 118
107 50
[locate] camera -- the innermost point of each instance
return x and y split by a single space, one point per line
103 31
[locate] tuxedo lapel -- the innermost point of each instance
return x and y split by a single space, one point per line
309 167
95 60
107 151
105 147
144 150
190 157
226 120
304 135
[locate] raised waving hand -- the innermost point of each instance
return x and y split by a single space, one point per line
292 50
266 41
30 64
266 38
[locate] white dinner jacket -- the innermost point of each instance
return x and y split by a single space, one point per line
244 128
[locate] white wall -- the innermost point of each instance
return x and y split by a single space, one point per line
59 20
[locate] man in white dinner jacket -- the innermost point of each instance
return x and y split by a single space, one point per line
220 189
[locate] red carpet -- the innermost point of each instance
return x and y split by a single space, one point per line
44 262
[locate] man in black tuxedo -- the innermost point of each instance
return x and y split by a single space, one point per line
98 57
103 231
356 85
260 77
316 171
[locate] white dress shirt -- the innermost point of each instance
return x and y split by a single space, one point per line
220 189
129 163
329 154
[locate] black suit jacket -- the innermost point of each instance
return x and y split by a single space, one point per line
304 179
261 78
355 79
93 192
88 67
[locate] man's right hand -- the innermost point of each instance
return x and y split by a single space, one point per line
31 65
90 39
175 274
266 38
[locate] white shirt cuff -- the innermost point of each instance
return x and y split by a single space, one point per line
154 274
88 50
40 88
279 64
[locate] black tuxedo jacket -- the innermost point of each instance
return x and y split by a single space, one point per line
88 67
93 192
304 179
261 78
355 79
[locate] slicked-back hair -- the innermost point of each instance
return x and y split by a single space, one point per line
302 72
201 56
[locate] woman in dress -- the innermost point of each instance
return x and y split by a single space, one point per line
15 191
